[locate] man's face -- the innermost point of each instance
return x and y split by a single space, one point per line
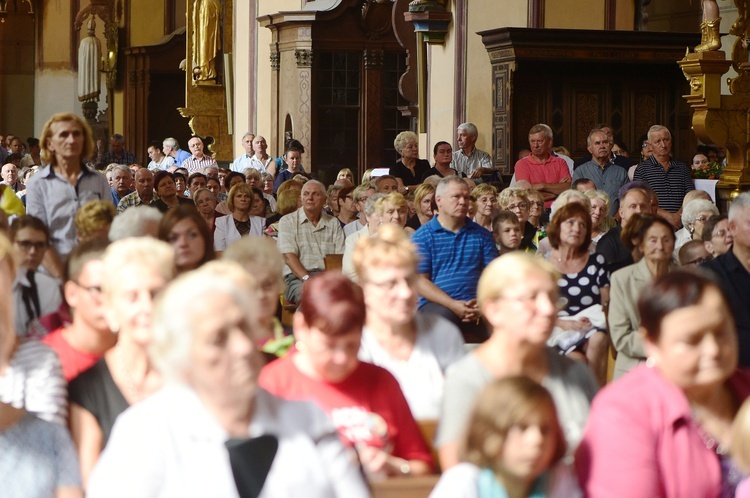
222 176
85 296
601 147
247 143
153 153
661 144
116 146
259 145
198 182
214 186
211 172
444 154
387 186
454 201
8 140
464 140
166 149
15 146
313 198
144 183
66 139
10 173
634 202
121 181
540 144
30 245
196 147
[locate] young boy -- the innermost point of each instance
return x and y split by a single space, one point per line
507 232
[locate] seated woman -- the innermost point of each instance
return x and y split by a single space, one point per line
601 222
170 195
173 444
240 222
516 201
206 202
513 447
518 297
186 231
567 197
656 244
664 429
716 235
124 376
409 169
393 208
694 215
485 197
364 401
423 196
416 348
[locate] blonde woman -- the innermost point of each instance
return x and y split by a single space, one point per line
485 197
423 199
240 222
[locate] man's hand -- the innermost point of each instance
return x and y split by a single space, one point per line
479 172
467 311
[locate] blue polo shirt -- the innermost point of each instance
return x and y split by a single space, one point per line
454 261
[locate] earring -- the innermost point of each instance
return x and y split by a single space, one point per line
650 362
300 346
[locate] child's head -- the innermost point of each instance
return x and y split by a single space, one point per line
293 158
514 430
740 446
507 231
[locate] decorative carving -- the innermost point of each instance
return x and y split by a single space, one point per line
372 58
426 5
304 57
376 18
407 84
275 61
304 106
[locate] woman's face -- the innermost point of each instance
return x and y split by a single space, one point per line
697 346
394 214
520 208
243 201
698 223
236 179
530 446
486 204
572 232
268 186
425 205
410 150
347 204
598 212
179 184
108 174
167 188
721 238
293 159
130 303
334 358
253 181
658 244
345 175
390 293
206 203
269 285
700 161
536 205
223 358
188 244
259 206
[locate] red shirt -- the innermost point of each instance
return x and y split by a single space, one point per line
553 170
366 408
73 361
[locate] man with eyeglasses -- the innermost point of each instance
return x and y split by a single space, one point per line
36 294
669 178
83 342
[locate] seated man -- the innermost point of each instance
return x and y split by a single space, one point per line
546 172
453 253
36 294
305 237
83 342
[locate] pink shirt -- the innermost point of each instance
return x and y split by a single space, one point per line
553 170
640 440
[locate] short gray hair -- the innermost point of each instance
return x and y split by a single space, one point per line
541 128
171 142
567 196
469 128
123 168
157 255
253 253
656 129
134 222
370 203
693 208
739 203
403 138
442 185
315 182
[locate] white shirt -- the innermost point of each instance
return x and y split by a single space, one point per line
225 231
164 165
438 345
171 446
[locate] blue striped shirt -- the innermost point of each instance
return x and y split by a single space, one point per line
454 261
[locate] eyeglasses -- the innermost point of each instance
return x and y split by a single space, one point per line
520 205
93 290
702 219
27 245
537 203
698 261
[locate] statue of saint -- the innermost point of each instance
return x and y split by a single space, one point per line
206 38
710 36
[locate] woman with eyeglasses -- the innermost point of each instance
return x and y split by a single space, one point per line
716 235
694 214
485 198
519 297
517 201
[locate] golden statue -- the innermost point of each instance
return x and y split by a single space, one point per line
710 36
206 39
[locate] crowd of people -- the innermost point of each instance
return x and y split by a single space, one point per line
192 328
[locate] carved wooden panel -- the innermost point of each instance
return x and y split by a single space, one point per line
502 93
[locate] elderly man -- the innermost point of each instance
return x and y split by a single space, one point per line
547 173
601 170
122 179
386 184
243 161
171 148
199 160
621 161
305 237
632 201
82 343
733 272
453 253
670 179
144 191
116 154
10 178
260 159
468 160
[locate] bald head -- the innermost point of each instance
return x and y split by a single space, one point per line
9 173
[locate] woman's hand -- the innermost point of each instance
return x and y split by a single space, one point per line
578 324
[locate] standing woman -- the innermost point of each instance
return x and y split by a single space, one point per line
423 197
185 230
239 223
124 376
410 168
656 242
485 197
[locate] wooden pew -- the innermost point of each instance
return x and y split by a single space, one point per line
404 487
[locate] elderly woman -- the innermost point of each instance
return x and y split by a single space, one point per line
260 258
393 209
484 196
416 348
364 401
536 208
716 235
124 376
186 231
423 197
518 296
174 444
566 197
655 241
694 215
516 201
601 222
664 429
240 222
168 191
206 202
410 168
584 284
